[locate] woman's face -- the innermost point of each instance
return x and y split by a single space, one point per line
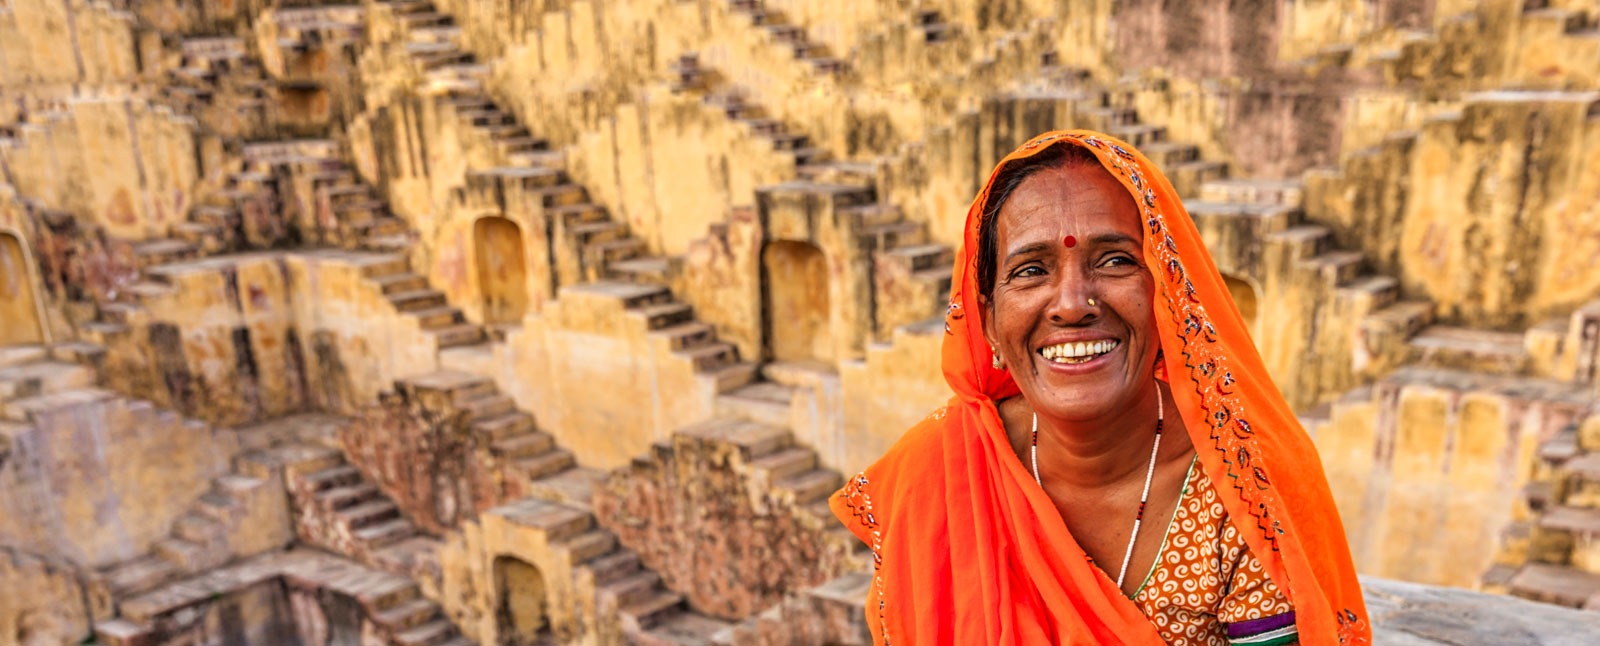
1073 360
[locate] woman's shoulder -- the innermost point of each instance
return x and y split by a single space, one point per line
907 471
908 462
923 442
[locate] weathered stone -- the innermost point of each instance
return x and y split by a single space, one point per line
683 509
611 293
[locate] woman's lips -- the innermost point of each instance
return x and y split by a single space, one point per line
1097 363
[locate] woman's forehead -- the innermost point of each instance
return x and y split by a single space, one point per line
1087 199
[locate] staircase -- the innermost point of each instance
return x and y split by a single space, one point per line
733 101
526 460
337 509
757 417
393 604
1258 228
199 540
1549 556
34 370
550 493
650 613
786 35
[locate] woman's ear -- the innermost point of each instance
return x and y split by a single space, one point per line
986 318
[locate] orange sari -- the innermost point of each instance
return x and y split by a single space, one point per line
970 550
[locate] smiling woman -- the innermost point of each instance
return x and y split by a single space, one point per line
1074 491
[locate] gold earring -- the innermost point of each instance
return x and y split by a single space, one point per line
994 360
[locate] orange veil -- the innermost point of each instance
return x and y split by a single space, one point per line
969 550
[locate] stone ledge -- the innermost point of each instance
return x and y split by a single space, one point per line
1403 614
1411 614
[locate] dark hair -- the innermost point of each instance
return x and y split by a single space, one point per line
1006 181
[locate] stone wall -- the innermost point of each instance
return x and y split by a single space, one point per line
44 601
95 479
296 596
897 385
565 593
75 42
599 334
247 336
1516 206
705 245
702 510
218 340
1453 451
43 269
418 447
355 342
117 161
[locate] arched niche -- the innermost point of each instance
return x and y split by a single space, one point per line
798 311
304 103
1244 296
502 273
520 613
19 301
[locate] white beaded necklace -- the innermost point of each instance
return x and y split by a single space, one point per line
1149 473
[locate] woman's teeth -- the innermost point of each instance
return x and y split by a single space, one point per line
1077 352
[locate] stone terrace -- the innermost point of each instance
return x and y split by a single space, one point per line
437 322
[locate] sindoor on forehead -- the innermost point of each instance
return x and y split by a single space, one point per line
19 303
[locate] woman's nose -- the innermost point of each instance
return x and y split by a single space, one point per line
1075 301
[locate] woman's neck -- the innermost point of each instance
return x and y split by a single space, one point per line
1107 451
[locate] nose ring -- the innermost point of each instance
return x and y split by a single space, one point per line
1091 302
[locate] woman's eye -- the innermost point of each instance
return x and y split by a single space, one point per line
1118 260
1030 270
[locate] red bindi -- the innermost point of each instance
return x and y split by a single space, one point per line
1070 241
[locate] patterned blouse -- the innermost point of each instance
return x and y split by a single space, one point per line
1206 588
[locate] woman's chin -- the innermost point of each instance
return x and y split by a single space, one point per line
1081 402
1082 391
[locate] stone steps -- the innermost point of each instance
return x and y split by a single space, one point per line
341 496
407 615
534 460
163 251
1469 349
524 445
786 463
597 258
768 448
196 542
811 486
1246 190
651 611
669 320
365 222
573 487
791 38
392 602
42 376
731 101
1557 584
546 464
762 402
648 270
504 426
139 575
620 578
